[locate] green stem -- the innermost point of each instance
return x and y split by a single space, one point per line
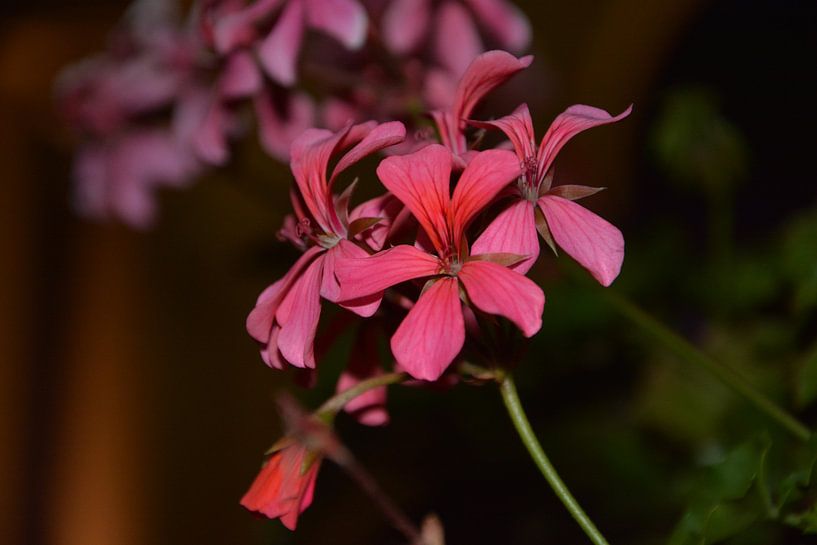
520 422
728 376
336 403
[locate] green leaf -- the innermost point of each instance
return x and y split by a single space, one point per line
724 506
806 385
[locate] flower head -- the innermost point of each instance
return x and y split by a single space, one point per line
596 244
285 486
285 317
433 332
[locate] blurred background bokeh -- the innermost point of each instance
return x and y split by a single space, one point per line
134 408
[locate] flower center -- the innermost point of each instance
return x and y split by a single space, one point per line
528 182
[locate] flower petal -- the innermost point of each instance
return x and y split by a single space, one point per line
456 39
421 181
241 77
596 244
485 73
513 231
404 24
486 175
504 21
380 137
330 288
364 276
261 318
344 20
298 316
277 131
518 127
387 207
433 332
278 52
495 289
568 124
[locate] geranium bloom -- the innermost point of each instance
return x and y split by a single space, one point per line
454 35
433 332
285 486
286 314
344 20
596 244
484 74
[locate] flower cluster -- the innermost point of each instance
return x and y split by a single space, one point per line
171 93
437 260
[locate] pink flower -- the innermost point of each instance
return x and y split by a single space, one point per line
596 244
344 20
364 363
119 177
433 332
485 73
453 28
286 315
286 484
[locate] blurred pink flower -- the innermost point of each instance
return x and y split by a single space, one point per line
596 244
286 315
278 51
118 178
364 363
433 332
452 28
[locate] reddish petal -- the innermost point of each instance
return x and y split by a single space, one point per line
380 137
330 288
568 124
360 277
405 22
596 244
433 332
486 175
504 21
387 207
518 127
422 182
456 39
512 232
260 320
279 50
298 316
344 20
310 155
495 289
485 73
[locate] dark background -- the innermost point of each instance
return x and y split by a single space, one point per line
134 408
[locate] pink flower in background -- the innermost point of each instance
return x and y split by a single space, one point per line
278 51
433 332
364 363
285 318
286 484
484 74
452 29
596 244
119 177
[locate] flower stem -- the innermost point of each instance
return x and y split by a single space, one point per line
520 422
682 348
336 403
